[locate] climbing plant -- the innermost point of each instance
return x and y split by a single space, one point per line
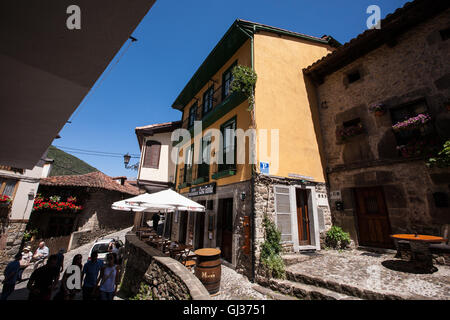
244 80
271 250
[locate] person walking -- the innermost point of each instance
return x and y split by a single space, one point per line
44 280
109 279
155 220
91 269
11 275
64 292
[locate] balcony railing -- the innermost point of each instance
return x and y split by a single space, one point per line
217 100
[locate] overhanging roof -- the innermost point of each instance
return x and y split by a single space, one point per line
233 39
392 26
156 128
48 69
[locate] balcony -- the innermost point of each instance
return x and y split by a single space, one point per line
220 106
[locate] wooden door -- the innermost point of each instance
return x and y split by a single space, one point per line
226 218
183 226
304 236
373 221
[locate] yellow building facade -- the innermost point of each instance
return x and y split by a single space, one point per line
286 180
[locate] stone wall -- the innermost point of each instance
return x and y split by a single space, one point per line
415 67
166 278
14 234
265 204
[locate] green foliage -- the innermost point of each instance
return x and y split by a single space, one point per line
271 249
28 234
244 80
337 238
66 164
145 293
442 160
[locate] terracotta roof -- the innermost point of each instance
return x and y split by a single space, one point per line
393 25
93 180
152 129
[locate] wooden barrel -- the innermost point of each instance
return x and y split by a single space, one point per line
208 268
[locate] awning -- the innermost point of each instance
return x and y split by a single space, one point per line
167 200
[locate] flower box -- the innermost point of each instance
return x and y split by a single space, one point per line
378 109
349 132
412 123
54 204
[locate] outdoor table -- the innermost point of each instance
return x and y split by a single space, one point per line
208 268
420 248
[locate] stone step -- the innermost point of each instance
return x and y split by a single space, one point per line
304 291
340 288
294 258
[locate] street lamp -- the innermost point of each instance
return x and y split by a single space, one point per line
126 161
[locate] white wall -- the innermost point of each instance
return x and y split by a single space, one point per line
166 170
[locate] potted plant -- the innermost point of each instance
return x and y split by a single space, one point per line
378 109
351 131
5 200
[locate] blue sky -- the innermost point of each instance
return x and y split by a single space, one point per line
173 40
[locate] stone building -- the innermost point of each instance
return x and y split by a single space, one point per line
379 183
95 192
287 184
17 190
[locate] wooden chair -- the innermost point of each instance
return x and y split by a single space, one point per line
188 260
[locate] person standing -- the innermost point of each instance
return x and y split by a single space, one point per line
109 279
64 292
90 275
44 280
60 263
155 220
11 276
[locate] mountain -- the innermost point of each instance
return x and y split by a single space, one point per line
66 164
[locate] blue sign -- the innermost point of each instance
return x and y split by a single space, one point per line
264 167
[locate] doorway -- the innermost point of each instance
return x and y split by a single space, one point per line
225 240
303 225
199 230
373 220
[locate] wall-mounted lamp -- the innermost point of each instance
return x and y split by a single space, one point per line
126 161
243 196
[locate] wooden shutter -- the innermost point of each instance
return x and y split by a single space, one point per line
152 153
181 175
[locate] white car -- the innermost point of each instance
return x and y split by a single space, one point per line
101 246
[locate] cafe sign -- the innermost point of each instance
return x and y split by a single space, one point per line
202 190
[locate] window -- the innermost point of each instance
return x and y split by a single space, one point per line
192 115
203 168
227 78
188 164
228 145
445 34
152 153
7 187
406 112
283 211
208 97
353 76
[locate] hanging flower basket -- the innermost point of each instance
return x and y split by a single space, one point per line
412 123
423 146
54 203
349 132
378 109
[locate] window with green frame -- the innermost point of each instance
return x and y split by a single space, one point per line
227 78
203 168
228 145
208 98
192 115
188 161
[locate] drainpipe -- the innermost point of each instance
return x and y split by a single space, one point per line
252 184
